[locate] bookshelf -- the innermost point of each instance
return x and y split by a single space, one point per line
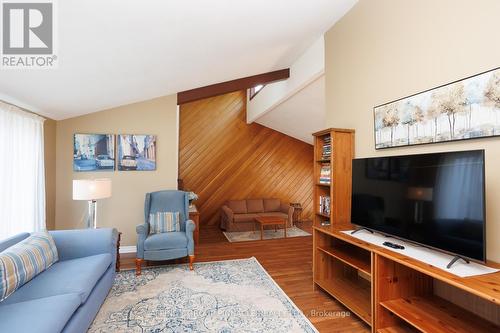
339 268
333 153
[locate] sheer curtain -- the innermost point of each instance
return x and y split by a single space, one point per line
22 174
458 189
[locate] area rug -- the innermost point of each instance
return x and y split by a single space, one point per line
245 236
223 296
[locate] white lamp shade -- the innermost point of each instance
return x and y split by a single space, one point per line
420 193
91 189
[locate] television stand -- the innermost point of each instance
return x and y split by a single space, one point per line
392 292
355 231
455 259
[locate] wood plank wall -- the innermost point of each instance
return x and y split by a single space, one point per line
221 157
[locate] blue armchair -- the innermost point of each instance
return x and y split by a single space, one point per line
169 245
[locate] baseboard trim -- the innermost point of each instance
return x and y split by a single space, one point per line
128 249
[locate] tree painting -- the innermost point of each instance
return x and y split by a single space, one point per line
492 93
391 118
379 125
451 100
432 115
418 116
407 118
461 110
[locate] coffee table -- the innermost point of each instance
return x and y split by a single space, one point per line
269 220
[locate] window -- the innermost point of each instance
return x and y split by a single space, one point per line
255 90
22 175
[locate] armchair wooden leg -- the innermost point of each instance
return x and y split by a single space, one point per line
191 261
138 263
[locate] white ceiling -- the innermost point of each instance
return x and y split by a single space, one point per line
115 52
300 115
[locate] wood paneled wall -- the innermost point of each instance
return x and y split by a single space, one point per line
221 157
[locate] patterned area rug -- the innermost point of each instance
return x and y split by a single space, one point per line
245 236
223 296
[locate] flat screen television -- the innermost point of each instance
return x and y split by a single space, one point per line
437 200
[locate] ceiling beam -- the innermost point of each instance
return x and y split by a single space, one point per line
230 86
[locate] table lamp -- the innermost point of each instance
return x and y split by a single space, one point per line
91 190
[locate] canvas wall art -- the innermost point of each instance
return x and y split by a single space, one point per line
465 109
93 152
136 152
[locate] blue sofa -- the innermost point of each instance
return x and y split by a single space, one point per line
67 296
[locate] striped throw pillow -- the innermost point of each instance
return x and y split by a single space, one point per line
23 261
164 222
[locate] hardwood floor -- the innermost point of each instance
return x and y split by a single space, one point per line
289 262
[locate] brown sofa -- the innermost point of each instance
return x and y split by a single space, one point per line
239 215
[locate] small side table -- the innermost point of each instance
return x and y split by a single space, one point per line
194 215
117 268
297 212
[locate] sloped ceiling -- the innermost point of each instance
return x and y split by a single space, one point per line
115 52
300 115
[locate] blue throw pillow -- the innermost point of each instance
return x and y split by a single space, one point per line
164 222
23 261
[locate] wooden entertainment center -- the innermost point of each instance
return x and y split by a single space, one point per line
389 291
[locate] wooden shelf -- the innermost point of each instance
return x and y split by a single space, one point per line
404 288
434 315
332 129
486 286
397 329
333 270
340 161
351 258
356 295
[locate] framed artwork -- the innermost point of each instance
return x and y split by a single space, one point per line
136 152
93 152
464 109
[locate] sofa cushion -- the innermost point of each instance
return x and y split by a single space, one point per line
244 217
160 222
274 214
42 315
166 241
77 276
23 261
272 205
255 206
238 206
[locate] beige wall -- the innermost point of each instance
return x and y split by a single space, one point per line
49 141
124 210
383 50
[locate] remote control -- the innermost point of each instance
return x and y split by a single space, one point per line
394 246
